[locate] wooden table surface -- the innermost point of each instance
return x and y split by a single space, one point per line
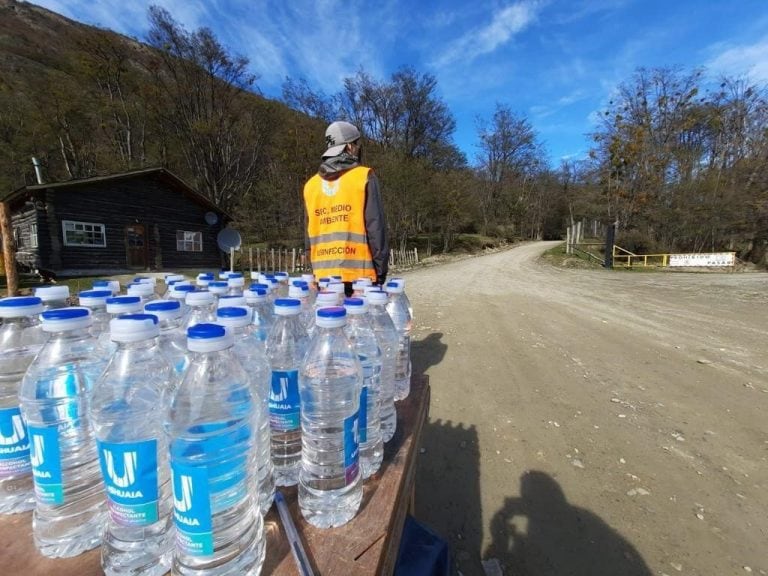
367 545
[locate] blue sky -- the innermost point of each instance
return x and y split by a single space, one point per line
555 62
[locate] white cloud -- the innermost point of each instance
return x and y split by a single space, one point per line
505 24
750 60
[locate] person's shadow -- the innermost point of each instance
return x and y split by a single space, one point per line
427 352
541 534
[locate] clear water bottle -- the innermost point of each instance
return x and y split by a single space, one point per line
330 482
401 282
386 335
322 283
360 333
116 306
309 279
251 353
235 284
203 279
53 296
282 288
301 293
55 402
179 293
144 290
338 289
96 301
202 308
213 435
263 317
128 408
170 280
324 299
218 288
232 300
112 285
173 338
286 345
20 340
397 308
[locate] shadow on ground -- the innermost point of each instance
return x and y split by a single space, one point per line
448 490
540 534
427 352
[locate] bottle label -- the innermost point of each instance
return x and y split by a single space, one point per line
130 477
14 444
364 413
45 457
351 448
284 412
192 509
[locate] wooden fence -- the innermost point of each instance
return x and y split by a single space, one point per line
295 260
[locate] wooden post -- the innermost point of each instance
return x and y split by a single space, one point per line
231 259
250 260
293 260
568 240
9 250
416 254
272 254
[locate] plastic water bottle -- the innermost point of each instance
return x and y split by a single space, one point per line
55 402
330 482
286 345
173 338
213 435
322 283
53 296
263 317
310 281
179 293
323 299
128 407
250 351
112 285
202 308
360 333
203 279
301 293
282 279
386 335
218 288
235 284
116 306
96 301
144 290
397 308
230 301
20 340
338 289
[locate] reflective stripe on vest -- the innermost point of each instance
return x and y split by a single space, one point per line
336 225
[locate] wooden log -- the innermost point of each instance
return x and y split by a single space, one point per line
9 250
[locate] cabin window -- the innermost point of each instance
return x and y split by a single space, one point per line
83 234
33 235
189 241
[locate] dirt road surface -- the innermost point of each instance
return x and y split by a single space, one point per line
593 423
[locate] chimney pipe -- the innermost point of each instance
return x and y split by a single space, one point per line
38 170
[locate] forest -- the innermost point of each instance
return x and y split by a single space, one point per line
678 161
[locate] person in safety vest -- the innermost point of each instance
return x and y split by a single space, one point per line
346 229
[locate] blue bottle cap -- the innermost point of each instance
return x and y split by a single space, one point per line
123 300
354 302
95 294
206 331
65 313
14 301
232 312
332 312
162 306
139 317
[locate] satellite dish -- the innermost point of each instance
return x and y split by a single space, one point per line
228 238
211 218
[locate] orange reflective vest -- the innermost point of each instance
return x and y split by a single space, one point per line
336 226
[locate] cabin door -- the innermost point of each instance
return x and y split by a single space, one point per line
135 246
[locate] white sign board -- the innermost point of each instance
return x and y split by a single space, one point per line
714 259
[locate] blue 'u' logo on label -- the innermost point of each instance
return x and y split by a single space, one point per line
18 432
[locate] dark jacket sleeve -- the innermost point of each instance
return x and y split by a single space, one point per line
376 227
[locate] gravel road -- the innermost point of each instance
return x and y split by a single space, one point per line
593 423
